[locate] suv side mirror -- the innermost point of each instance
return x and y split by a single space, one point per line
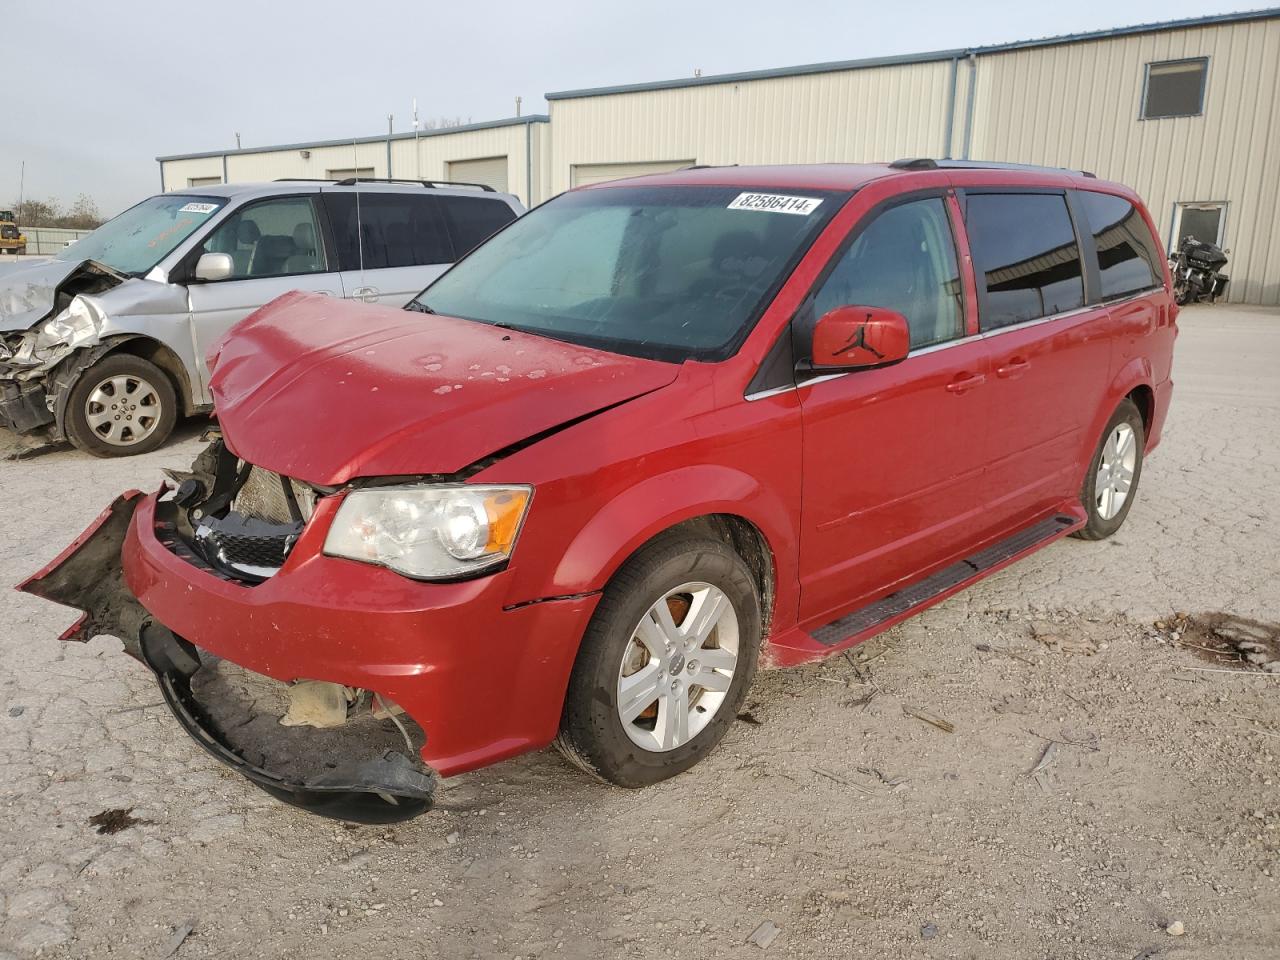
214 266
854 337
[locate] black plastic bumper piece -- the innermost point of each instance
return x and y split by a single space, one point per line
386 789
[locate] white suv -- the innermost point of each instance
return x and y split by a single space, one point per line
105 343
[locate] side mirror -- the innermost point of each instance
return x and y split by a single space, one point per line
851 338
214 266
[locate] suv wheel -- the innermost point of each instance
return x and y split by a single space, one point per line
121 406
1112 481
665 662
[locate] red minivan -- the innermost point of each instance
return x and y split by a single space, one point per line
652 435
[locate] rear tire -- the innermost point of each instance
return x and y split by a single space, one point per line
684 609
120 407
1111 484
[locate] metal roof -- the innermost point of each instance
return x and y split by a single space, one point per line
314 144
929 57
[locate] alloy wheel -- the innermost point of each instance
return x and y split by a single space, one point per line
1115 471
678 667
123 410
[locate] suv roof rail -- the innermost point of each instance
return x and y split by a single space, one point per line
926 163
352 181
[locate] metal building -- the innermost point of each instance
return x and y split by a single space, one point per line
1187 112
503 154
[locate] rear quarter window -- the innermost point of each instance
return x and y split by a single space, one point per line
1025 255
473 220
1128 258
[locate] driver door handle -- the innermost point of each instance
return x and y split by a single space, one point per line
1013 368
367 294
964 382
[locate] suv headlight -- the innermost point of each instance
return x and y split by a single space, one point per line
431 531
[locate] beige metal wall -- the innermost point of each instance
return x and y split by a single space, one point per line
1077 105
846 116
434 154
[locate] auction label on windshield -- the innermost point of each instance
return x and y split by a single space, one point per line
775 203
198 208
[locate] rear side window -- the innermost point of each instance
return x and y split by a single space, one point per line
473 220
1025 254
1128 259
396 230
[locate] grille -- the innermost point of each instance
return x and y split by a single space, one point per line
263 497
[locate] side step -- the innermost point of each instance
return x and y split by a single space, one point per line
896 604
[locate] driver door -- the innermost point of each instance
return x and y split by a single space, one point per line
276 245
893 457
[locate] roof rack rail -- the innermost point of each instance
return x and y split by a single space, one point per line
352 181
926 163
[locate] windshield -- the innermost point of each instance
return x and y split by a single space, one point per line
667 272
145 234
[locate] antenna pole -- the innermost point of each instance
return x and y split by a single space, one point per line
417 154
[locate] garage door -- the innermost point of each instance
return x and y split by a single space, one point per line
587 173
491 171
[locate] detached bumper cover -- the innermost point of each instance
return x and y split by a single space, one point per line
88 575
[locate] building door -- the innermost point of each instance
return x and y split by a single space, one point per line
490 171
1204 221
585 174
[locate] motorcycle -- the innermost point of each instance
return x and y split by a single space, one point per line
1197 272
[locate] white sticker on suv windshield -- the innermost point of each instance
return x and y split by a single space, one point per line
775 203
198 208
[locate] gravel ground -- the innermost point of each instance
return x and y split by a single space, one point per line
832 811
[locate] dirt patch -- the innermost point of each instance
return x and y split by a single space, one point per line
1224 639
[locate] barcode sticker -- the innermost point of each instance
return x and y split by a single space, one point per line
775 203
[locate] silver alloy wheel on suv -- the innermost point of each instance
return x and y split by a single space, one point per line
678 667
123 410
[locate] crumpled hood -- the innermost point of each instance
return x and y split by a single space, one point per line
325 390
29 287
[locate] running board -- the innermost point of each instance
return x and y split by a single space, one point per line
917 594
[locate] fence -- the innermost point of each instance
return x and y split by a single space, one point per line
49 240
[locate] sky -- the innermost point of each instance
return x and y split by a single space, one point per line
106 87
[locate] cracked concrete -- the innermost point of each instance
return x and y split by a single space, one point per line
843 819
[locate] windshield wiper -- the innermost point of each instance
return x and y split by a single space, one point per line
418 307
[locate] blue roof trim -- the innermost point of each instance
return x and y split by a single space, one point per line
930 57
315 144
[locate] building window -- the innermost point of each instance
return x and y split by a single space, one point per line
202 181
347 173
1204 221
1175 88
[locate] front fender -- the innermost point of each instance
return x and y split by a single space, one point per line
628 521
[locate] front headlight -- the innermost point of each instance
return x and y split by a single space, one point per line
74 327
432 531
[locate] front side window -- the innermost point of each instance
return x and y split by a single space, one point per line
669 272
1128 259
377 230
270 238
1175 88
145 234
904 260
1025 253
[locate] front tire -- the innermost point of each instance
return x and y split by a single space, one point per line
1111 484
121 406
665 662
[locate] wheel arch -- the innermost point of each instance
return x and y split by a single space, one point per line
67 374
721 501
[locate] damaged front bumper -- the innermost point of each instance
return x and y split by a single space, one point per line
89 576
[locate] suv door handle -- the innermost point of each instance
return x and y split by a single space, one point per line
367 294
965 382
1015 368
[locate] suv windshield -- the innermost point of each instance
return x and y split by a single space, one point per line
667 272
145 234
